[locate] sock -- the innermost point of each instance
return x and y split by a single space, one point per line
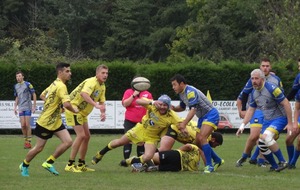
260 161
135 160
295 157
279 155
25 163
106 149
71 162
81 162
215 157
207 153
271 160
290 150
28 139
140 150
244 155
255 154
127 150
50 160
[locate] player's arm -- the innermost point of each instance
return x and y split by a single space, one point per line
67 105
239 107
288 110
296 116
177 108
102 111
34 102
128 100
246 120
16 105
188 118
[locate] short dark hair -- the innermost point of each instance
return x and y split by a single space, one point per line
19 72
61 65
179 78
265 59
218 137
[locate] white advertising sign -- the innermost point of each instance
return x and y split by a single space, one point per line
114 115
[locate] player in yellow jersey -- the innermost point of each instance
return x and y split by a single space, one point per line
50 123
186 158
173 134
87 95
158 117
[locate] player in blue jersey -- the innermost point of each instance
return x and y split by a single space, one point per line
296 85
199 105
257 119
289 141
277 115
24 93
291 136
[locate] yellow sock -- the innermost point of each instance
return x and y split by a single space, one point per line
25 162
51 159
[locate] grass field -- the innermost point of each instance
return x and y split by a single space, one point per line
109 175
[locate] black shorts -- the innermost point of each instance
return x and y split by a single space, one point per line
170 161
44 133
128 125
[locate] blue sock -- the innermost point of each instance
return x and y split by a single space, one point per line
255 154
290 150
260 161
271 160
244 155
207 153
295 157
215 157
279 155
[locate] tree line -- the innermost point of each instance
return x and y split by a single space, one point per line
147 31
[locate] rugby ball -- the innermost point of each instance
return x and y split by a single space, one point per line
140 84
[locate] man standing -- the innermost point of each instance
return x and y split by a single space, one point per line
50 123
200 106
256 121
277 115
87 95
133 114
23 92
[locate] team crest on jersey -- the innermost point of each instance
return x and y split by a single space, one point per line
255 120
96 93
151 123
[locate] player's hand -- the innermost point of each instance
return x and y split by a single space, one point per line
136 93
240 130
102 117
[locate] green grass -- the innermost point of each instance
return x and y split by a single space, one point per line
109 175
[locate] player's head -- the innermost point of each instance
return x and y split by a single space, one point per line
216 139
102 73
178 83
166 103
265 66
63 71
257 78
20 76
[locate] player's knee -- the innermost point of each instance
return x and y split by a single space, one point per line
263 147
269 140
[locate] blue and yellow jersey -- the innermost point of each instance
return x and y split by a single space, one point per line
190 159
270 78
296 84
268 100
192 97
24 93
92 87
56 94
